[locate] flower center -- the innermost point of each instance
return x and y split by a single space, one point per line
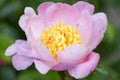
59 36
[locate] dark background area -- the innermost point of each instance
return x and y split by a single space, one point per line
109 48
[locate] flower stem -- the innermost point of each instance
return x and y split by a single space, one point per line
68 77
62 75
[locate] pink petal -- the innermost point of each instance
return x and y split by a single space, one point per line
41 66
60 12
43 7
98 30
21 62
81 6
24 48
72 54
39 47
28 12
85 27
85 68
45 54
37 25
34 27
22 21
11 50
62 66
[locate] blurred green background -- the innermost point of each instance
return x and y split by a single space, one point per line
109 49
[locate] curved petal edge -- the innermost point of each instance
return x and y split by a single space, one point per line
85 68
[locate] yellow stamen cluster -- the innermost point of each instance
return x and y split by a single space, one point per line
59 36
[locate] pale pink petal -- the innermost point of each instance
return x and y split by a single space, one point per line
85 68
43 7
72 54
22 21
36 25
98 30
28 12
81 6
24 49
41 66
21 62
40 48
45 53
85 27
11 50
61 12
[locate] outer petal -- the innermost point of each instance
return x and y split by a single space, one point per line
98 30
28 12
11 50
85 68
81 6
37 25
60 12
41 66
24 49
43 7
21 62
85 26
72 55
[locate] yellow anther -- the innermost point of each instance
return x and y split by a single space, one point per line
59 36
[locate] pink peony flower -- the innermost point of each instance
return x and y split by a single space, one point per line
61 37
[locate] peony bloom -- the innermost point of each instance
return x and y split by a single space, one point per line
60 37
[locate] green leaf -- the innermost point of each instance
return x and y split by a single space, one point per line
35 75
110 33
9 9
1 2
8 30
5 41
7 73
102 71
